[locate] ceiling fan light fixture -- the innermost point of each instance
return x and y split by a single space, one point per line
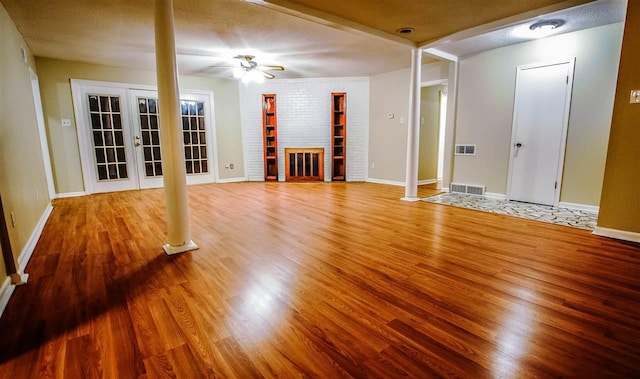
546 25
238 72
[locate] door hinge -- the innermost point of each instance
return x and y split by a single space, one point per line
555 185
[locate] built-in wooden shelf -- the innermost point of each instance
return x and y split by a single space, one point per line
270 137
338 135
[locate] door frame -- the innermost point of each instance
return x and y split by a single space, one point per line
42 133
565 122
79 90
83 137
207 98
442 128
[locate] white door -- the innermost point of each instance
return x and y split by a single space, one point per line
119 134
197 134
105 137
541 110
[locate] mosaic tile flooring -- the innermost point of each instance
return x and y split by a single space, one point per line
545 213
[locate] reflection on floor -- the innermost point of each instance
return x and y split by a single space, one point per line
554 215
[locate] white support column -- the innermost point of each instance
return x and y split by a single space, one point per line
413 133
173 164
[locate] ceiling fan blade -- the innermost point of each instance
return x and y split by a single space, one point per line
222 66
267 75
275 68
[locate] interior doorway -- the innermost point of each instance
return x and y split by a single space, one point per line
539 131
433 111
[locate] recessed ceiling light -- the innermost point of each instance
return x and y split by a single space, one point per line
546 25
405 30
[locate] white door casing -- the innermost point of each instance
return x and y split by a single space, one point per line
97 138
42 133
539 131
142 146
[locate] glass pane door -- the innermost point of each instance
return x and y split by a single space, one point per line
104 131
196 135
147 138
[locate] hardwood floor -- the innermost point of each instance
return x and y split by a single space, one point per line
319 280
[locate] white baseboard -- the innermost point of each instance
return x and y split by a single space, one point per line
579 207
617 234
383 181
27 251
493 195
428 181
70 194
5 293
232 180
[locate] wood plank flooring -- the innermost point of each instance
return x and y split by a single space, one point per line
319 280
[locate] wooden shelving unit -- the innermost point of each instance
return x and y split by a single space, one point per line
338 136
270 137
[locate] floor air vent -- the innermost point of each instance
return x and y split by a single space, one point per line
469 190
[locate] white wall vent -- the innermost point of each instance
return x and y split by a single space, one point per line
465 149
467 189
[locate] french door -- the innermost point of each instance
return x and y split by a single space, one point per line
119 136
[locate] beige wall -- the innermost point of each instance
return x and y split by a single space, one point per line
54 78
22 180
429 128
485 106
620 204
389 93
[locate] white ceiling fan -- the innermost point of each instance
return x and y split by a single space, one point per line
249 69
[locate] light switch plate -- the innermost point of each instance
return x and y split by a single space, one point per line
635 96
65 122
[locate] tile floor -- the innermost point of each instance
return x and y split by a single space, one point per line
545 213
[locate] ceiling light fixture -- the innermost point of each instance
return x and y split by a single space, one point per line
405 30
546 25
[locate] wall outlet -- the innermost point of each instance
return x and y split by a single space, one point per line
635 96
65 122
390 116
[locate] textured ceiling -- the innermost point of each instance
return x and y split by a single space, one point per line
311 38
576 18
431 19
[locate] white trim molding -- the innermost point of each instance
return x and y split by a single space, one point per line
493 195
427 181
580 207
70 194
27 251
232 180
617 234
384 181
5 293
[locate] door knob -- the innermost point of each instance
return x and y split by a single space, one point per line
518 144
136 144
